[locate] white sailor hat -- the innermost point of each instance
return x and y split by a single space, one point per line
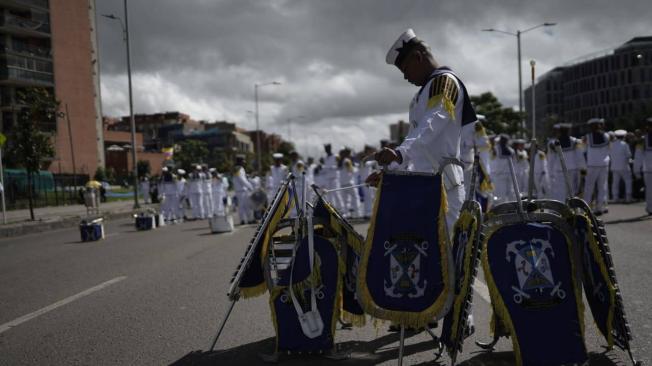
198 167
277 156
593 121
181 171
402 47
212 170
620 133
164 169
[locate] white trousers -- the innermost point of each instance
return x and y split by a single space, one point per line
558 184
596 176
648 192
503 188
197 205
218 204
207 201
369 197
169 206
616 176
351 201
334 198
245 211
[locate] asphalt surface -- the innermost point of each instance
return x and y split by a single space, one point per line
156 298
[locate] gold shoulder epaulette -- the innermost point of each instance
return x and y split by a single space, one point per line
443 89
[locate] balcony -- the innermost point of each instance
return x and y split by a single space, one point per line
16 76
23 26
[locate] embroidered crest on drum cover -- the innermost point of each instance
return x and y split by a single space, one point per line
532 263
407 257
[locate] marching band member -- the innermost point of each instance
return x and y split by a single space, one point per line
438 112
243 190
643 164
207 192
502 178
521 164
170 195
181 189
350 197
368 191
194 193
330 177
597 161
278 173
621 156
541 175
219 192
572 149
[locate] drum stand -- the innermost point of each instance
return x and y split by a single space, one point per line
401 345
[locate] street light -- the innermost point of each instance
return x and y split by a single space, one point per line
125 34
518 45
259 154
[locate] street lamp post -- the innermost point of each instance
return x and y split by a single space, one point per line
125 32
534 111
518 48
258 152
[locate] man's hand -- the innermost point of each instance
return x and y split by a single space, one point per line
373 179
387 156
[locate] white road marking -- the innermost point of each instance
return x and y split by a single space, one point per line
482 290
6 326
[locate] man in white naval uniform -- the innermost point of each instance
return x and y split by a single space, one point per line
369 192
194 189
597 164
330 177
181 189
621 157
207 192
541 175
438 112
219 191
350 197
170 195
521 165
501 174
278 173
243 189
643 164
572 150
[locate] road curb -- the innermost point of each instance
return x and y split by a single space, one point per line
31 227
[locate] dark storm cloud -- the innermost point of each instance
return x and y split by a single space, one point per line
203 57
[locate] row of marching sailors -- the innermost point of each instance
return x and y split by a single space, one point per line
591 157
339 177
204 190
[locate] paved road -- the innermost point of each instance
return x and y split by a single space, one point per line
151 298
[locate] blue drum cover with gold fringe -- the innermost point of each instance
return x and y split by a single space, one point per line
326 278
465 251
599 291
405 272
530 272
351 244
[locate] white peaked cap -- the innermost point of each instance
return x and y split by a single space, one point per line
399 47
181 171
277 156
620 133
211 170
164 169
198 167
595 120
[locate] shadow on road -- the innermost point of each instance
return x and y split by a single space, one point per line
362 353
507 358
628 220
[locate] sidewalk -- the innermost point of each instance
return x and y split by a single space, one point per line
56 217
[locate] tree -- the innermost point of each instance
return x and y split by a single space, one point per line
499 118
29 146
100 174
189 152
143 168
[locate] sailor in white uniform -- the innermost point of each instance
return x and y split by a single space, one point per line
643 164
243 189
194 189
350 196
438 112
170 195
572 150
330 178
181 189
597 164
474 141
368 191
541 175
621 157
218 191
278 173
521 165
501 174
207 192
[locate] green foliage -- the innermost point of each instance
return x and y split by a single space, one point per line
143 168
499 119
189 152
100 174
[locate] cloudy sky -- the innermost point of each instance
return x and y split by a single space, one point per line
203 57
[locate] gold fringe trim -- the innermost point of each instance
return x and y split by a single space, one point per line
255 291
466 221
409 319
